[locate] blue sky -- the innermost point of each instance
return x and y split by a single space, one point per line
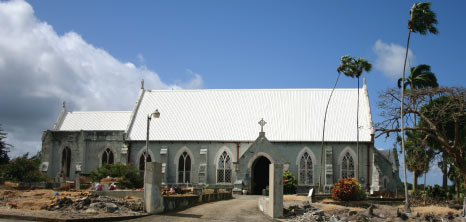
207 44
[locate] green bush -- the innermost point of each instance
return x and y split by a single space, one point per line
289 183
128 175
22 169
348 189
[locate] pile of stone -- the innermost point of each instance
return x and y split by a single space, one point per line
94 204
305 213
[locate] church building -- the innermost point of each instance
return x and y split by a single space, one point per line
228 137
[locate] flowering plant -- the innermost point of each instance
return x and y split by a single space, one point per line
348 189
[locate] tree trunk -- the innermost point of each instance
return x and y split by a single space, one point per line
323 135
463 213
415 176
457 189
407 208
445 173
425 194
357 133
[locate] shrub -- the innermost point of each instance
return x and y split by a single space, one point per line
128 175
348 189
289 183
22 169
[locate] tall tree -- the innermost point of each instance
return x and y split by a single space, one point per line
343 60
442 118
4 148
418 155
420 77
352 67
422 20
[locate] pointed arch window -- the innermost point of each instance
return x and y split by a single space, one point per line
107 157
142 165
184 168
347 166
224 168
305 169
66 161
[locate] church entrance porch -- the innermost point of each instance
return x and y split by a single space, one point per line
260 175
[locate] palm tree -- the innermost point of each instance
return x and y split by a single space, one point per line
422 20
420 77
352 67
345 59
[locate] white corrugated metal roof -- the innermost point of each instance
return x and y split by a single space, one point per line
233 115
101 120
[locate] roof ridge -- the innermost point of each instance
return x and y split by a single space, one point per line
99 111
271 89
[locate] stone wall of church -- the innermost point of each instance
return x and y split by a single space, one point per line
86 150
291 152
387 178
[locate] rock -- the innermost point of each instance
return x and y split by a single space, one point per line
91 211
299 211
97 205
111 207
429 217
85 200
318 212
352 212
369 211
401 215
305 205
362 218
334 219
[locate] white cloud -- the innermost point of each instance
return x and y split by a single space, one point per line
390 58
39 69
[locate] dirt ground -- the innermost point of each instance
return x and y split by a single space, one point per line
43 203
330 207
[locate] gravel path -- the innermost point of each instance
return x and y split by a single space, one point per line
240 208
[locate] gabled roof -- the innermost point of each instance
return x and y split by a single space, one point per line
233 115
93 121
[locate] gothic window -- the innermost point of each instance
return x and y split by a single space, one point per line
184 168
107 157
66 162
224 168
347 166
305 169
142 165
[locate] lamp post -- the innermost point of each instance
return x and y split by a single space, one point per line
155 114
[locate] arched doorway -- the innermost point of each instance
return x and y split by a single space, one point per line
66 162
260 175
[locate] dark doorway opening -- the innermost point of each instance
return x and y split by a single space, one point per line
260 175
66 162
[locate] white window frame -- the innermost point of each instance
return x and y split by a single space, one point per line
176 161
314 161
355 161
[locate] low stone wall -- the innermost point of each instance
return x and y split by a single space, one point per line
172 203
120 193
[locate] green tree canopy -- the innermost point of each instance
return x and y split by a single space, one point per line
4 148
420 77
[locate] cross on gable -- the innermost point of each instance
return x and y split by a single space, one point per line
262 123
